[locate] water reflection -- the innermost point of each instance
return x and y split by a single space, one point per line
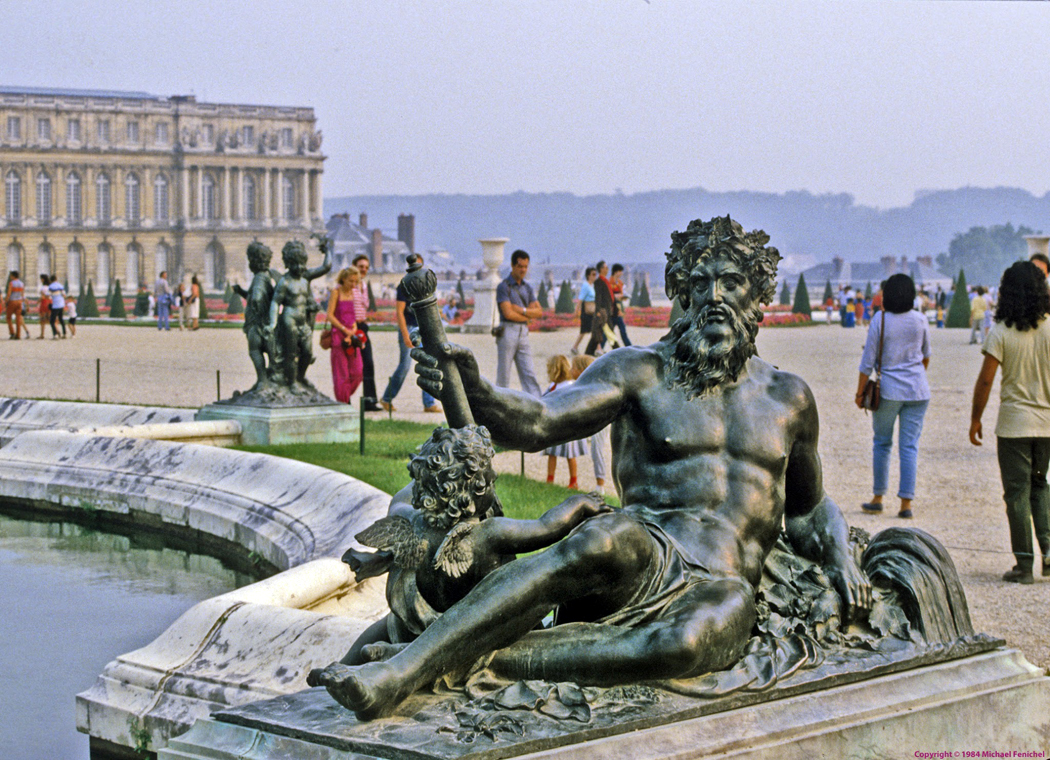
71 599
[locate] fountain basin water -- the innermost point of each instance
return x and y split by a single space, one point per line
276 514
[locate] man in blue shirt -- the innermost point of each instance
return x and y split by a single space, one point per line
517 307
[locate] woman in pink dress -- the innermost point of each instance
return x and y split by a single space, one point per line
347 369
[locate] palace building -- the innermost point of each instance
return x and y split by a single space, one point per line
103 185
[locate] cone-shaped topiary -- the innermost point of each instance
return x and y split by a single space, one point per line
959 311
801 304
109 290
142 304
228 293
565 304
785 295
462 295
90 303
541 297
644 302
236 305
116 303
204 306
867 292
371 298
828 292
635 290
677 312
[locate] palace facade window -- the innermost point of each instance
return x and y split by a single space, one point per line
249 199
74 212
103 130
208 206
73 130
132 199
43 129
161 133
248 135
133 132
160 198
208 131
13 197
286 137
104 257
43 198
288 198
103 200
14 127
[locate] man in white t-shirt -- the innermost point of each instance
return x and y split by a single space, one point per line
1020 343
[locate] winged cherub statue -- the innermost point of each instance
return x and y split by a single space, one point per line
443 534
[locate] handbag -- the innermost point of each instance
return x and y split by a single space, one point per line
326 337
588 307
871 395
497 331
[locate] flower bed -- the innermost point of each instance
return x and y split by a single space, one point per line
781 319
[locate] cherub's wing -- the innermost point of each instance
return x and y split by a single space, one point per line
456 553
395 534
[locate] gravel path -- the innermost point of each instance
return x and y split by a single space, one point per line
959 497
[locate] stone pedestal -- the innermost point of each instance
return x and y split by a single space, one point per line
991 700
266 426
1038 244
486 314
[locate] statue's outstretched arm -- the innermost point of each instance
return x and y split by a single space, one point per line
518 420
503 535
326 248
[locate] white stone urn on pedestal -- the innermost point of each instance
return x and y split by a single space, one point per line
1038 244
485 314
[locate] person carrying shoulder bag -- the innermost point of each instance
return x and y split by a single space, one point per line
899 343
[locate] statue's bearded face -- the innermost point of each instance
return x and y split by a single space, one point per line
715 337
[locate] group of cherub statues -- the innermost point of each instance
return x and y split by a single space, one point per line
279 316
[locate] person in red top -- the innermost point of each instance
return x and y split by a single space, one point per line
45 304
370 399
616 285
16 298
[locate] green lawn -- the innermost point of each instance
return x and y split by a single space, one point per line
388 446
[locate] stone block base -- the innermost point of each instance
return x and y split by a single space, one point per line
995 700
268 426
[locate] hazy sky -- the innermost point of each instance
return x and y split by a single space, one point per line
877 99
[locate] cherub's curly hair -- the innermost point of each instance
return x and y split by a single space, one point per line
721 236
1023 298
294 250
453 477
259 256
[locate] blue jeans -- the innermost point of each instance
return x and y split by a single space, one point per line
618 323
398 378
911 414
162 314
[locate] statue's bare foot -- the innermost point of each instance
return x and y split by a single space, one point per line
380 651
370 690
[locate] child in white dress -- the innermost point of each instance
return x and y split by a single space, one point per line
560 373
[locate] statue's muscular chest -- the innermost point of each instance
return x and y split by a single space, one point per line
743 426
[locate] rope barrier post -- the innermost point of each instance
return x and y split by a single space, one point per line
98 381
218 386
523 464
361 433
